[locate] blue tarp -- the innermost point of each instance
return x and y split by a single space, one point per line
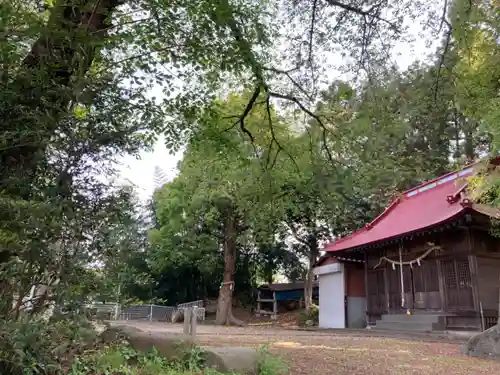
288 295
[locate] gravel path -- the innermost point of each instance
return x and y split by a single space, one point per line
324 353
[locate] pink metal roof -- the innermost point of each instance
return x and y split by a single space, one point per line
422 207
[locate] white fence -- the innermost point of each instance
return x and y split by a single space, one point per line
200 310
147 312
198 303
150 312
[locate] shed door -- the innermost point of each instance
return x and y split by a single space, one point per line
332 300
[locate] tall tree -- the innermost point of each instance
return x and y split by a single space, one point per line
218 185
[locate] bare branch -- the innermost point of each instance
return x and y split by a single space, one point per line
247 110
365 13
288 75
311 31
274 139
447 42
298 102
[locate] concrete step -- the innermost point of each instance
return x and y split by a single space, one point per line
437 336
405 326
420 318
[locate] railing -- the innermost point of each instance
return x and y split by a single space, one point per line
150 312
490 321
200 310
198 303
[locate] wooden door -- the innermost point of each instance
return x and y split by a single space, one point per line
376 292
394 278
458 284
408 287
426 286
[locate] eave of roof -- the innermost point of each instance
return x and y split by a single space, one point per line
421 208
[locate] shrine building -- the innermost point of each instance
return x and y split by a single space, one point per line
430 263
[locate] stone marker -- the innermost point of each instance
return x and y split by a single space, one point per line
187 320
485 344
194 323
244 361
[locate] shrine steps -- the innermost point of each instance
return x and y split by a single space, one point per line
411 323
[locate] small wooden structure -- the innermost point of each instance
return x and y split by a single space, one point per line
430 252
283 292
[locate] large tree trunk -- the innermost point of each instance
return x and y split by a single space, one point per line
308 285
65 50
225 302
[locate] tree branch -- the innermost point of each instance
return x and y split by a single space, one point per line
365 13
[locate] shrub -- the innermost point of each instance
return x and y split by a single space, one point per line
270 364
41 347
312 316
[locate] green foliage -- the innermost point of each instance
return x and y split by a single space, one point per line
35 346
267 185
271 364
311 315
120 358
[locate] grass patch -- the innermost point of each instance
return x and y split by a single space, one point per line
271 364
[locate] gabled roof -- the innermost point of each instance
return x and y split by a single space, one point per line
417 209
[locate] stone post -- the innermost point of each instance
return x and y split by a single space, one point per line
194 322
187 320
275 307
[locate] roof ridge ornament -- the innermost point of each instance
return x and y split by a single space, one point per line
455 197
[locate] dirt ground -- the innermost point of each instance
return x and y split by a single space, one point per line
325 353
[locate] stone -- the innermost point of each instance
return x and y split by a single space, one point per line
485 344
170 346
118 332
178 316
309 323
244 361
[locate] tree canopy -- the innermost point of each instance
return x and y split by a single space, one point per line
297 123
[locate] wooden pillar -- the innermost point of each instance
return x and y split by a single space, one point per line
386 290
473 272
474 282
442 286
366 291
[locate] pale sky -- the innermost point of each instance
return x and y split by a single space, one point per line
140 171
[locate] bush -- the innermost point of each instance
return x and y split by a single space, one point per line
312 316
271 365
36 346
